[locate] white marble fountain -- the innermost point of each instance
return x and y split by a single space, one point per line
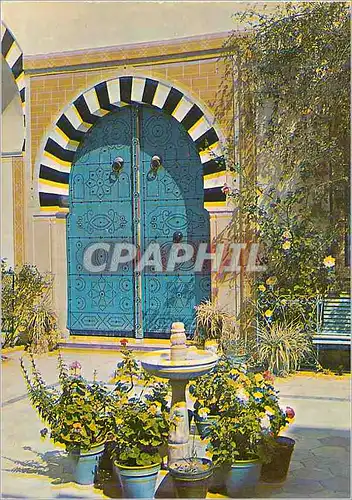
179 365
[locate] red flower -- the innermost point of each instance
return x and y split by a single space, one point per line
124 342
225 189
290 412
268 376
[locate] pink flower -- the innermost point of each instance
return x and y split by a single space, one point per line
76 365
290 412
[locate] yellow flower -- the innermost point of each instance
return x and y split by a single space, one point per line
242 394
269 410
271 281
286 245
203 412
287 234
153 409
258 377
261 288
268 313
257 395
329 261
234 371
77 426
244 379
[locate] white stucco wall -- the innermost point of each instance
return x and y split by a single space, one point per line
12 129
43 27
6 229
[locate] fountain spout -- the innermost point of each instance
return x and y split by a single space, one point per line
178 342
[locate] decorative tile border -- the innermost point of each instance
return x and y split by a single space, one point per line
108 96
161 49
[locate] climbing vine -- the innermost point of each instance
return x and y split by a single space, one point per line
287 82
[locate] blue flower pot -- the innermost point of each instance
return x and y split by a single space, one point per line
204 425
138 482
242 478
86 464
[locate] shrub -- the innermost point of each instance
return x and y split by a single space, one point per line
28 317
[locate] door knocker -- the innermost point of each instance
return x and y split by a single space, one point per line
155 164
117 165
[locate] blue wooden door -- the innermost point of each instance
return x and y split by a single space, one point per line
138 206
172 208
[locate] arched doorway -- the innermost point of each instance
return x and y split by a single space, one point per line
134 203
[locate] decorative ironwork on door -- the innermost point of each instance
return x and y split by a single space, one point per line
137 179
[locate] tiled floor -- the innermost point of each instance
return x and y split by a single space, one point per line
320 466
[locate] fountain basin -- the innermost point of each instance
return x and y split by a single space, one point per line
197 362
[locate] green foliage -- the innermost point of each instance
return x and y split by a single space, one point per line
247 404
283 346
141 422
27 310
237 438
141 428
291 73
207 389
79 413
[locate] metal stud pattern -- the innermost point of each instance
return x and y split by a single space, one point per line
138 206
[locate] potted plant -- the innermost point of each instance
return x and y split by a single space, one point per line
239 446
211 323
79 415
141 429
191 477
283 346
240 440
276 470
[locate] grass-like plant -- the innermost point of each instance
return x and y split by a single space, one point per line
43 332
283 346
212 322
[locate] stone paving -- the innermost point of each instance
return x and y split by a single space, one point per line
320 467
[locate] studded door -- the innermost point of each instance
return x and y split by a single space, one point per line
137 204
99 301
172 211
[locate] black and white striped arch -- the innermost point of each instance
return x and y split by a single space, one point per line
14 57
109 96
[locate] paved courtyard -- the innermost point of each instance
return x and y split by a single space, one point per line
320 467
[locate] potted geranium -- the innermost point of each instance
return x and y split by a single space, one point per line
240 441
239 446
264 400
78 414
141 429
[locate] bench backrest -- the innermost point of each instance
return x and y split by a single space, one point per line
335 316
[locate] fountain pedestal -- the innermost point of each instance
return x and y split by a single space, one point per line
179 366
